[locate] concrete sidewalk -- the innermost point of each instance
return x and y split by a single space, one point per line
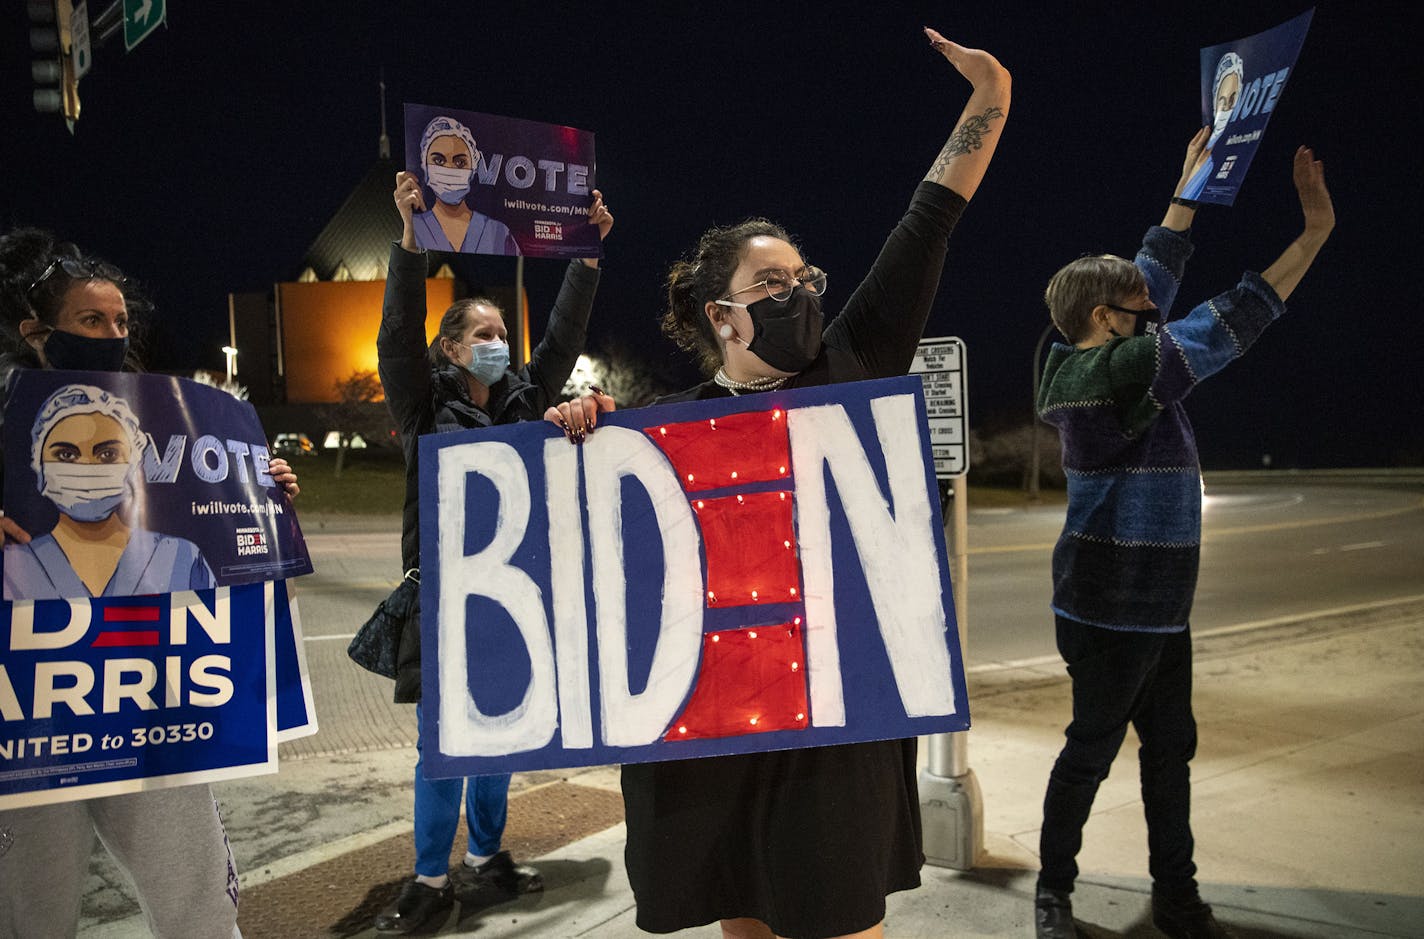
1308 793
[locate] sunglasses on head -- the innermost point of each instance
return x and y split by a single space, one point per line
78 269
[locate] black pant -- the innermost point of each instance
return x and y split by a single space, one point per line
1122 677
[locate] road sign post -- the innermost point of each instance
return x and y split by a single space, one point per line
951 805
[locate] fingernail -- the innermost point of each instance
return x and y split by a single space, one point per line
597 390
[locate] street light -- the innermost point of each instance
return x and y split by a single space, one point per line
231 353
1033 420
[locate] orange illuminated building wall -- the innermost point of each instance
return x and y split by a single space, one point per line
328 331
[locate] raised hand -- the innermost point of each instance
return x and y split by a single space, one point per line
1196 156
1309 176
409 200
976 65
599 215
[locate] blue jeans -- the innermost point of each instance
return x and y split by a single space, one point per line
1119 678
437 814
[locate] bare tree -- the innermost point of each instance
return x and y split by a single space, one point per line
620 373
355 413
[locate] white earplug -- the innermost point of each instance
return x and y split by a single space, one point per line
726 331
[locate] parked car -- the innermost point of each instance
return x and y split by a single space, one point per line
293 444
333 441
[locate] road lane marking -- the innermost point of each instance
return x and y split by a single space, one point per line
1364 545
1210 534
1042 660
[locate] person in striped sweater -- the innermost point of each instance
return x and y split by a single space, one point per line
1125 567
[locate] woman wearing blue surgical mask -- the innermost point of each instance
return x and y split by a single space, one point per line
446 221
802 842
463 380
62 309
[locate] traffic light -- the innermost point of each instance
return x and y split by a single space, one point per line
56 88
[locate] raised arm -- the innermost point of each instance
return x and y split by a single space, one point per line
408 202
1309 175
401 341
965 156
1181 212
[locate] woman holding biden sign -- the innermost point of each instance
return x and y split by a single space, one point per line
808 842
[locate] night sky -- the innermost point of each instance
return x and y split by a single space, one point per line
209 158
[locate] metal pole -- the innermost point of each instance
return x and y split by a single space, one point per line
516 326
952 807
1033 419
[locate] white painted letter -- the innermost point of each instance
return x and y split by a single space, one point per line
628 719
895 543
464 730
566 576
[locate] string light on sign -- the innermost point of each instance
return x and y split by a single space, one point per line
750 680
749 541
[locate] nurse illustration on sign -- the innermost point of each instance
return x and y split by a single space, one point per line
1225 93
448 158
87 455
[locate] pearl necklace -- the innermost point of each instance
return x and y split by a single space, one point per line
767 383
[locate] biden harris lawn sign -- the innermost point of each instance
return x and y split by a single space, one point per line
753 573
113 695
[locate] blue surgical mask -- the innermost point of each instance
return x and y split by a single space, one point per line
488 360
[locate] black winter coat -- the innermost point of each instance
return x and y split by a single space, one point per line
425 400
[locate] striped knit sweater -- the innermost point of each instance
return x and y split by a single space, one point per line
1128 555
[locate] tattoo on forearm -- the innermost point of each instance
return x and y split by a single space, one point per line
966 138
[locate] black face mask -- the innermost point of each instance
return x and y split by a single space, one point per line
787 336
1145 322
83 354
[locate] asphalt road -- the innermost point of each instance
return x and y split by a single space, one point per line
1270 550
1273 547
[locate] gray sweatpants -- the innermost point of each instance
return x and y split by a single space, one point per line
171 842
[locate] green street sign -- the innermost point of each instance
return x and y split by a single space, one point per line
142 17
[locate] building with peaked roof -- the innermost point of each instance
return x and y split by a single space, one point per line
296 343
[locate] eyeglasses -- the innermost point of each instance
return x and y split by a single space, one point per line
79 270
779 286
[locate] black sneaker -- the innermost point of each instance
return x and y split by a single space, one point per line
1187 918
1053 915
499 878
419 906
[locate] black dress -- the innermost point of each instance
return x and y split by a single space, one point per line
809 841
